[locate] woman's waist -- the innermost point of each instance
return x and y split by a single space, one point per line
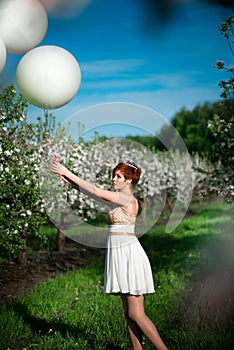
118 229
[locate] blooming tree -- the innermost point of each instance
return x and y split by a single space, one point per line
222 124
21 148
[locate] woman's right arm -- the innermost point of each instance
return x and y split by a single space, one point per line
74 180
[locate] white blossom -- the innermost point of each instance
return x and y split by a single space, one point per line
8 153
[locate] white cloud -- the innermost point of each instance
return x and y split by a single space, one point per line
94 69
124 74
151 80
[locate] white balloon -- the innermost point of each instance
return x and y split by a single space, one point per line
48 76
2 55
23 24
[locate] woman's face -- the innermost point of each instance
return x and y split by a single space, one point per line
119 181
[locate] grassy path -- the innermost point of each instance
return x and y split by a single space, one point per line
192 306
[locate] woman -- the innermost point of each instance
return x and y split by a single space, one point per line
127 268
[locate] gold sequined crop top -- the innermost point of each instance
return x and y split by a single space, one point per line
119 216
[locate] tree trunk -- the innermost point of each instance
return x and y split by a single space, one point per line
23 257
61 241
61 236
164 210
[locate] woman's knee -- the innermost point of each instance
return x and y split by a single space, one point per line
136 314
131 313
133 307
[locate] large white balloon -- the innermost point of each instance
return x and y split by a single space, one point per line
2 55
23 24
48 76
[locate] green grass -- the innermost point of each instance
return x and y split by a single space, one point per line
191 308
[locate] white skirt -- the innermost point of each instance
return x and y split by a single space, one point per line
127 267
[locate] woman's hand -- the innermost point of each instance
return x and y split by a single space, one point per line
58 168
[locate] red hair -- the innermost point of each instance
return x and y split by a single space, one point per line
130 172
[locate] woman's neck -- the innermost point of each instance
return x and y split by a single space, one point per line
127 191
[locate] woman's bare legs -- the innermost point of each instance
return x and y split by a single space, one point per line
138 322
134 330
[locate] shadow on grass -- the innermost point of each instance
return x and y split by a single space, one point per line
43 327
190 249
167 252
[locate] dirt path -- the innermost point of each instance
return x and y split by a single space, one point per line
16 280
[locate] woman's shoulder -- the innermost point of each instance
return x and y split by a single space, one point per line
132 207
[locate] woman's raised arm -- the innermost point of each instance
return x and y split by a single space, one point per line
110 196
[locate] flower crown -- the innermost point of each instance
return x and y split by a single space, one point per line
131 164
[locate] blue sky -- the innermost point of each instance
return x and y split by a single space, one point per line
163 67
